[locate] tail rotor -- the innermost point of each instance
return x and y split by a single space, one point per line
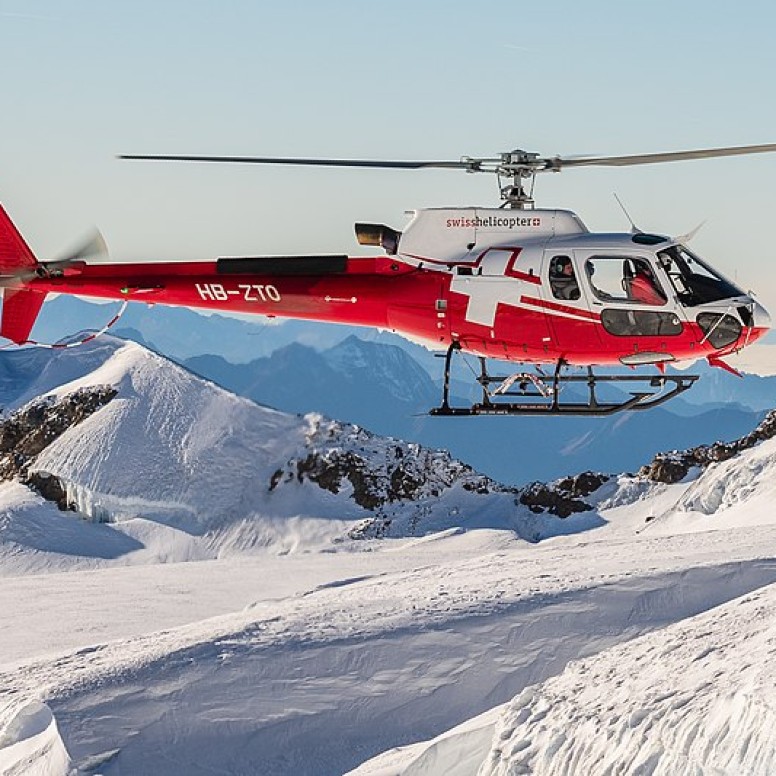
19 266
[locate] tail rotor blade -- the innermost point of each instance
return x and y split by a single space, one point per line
92 248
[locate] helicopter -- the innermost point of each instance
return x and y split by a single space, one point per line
528 286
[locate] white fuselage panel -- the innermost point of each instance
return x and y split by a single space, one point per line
457 235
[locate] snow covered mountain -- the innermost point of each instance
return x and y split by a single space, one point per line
168 466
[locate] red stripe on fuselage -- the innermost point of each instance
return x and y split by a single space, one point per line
511 272
561 308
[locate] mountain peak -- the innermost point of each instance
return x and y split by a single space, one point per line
173 455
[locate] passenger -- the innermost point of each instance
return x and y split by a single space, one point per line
644 288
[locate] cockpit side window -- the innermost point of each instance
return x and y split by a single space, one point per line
624 279
694 281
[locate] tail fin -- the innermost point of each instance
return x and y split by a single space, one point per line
20 309
21 305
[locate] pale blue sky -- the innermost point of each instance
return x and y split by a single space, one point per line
85 80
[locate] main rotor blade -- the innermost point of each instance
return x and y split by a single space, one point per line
460 164
512 163
670 156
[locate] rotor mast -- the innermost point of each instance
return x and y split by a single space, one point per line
513 170
520 166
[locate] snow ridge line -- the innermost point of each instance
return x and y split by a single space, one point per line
674 466
325 617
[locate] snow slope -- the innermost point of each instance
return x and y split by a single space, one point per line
677 701
735 493
698 697
30 744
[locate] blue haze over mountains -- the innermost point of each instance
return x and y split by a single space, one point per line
387 385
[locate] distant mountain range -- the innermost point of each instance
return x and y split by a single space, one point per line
386 384
181 333
383 388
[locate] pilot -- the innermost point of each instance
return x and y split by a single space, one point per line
562 279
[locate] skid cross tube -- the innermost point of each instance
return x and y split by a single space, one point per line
540 394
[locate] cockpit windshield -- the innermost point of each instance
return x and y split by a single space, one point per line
694 281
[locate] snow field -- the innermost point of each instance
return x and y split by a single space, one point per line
315 684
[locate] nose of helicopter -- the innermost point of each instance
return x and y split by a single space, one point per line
761 318
757 322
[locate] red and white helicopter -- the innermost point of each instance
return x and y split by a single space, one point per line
516 283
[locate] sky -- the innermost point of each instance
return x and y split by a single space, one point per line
87 80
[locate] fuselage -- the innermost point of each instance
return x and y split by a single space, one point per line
527 286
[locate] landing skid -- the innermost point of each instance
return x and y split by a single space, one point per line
540 394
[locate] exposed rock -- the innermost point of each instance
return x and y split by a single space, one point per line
582 484
371 528
376 483
51 488
344 458
562 497
668 467
378 476
675 465
26 433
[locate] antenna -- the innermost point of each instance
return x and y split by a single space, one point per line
634 228
685 238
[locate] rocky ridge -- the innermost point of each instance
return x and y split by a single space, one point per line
674 466
380 475
402 487
565 496
384 486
